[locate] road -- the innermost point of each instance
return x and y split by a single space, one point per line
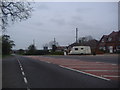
39 74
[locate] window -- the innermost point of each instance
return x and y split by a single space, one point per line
76 48
100 47
82 48
103 48
102 40
118 47
119 38
109 39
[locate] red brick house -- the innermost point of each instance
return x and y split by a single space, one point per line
110 43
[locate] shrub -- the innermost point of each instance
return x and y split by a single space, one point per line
57 53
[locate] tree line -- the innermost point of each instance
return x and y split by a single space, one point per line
8 44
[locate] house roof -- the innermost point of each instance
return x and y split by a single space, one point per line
61 47
113 35
74 44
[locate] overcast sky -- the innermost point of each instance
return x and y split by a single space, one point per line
60 19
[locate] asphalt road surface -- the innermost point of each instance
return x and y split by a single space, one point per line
22 72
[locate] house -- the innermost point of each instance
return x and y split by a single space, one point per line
110 43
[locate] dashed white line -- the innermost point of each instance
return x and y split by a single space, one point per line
21 69
25 80
85 73
23 73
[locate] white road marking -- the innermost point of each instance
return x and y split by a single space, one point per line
92 67
23 73
47 62
114 64
21 69
25 80
110 76
101 70
87 64
97 62
85 73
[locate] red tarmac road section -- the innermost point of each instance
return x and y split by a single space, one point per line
101 69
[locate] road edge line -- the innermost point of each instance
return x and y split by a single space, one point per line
85 73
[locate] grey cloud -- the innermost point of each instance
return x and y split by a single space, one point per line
83 10
58 21
75 21
43 7
39 24
77 18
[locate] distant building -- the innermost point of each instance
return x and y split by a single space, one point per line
45 48
61 48
110 43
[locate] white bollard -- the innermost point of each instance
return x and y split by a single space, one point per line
65 53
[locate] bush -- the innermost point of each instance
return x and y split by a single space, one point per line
39 52
118 52
42 52
57 53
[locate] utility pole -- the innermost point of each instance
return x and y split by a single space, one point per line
54 41
76 35
54 46
33 42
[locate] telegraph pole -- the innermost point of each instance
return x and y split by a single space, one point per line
33 42
76 35
54 46
54 41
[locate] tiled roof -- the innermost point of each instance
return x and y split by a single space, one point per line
113 35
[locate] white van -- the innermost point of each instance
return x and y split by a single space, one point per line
80 50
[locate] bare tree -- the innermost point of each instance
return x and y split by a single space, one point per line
85 39
51 43
13 11
89 41
45 46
